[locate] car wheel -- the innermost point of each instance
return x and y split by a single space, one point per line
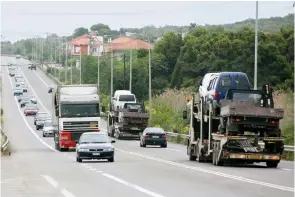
44 135
34 122
143 145
78 159
37 128
164 146
111 159
140 144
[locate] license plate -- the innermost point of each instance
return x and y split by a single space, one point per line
155 136
92 125
96 153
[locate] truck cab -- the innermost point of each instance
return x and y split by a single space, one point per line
76 109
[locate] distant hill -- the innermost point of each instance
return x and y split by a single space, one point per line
272 24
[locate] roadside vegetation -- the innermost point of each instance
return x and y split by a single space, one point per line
178 64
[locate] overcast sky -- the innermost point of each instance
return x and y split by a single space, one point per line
24 19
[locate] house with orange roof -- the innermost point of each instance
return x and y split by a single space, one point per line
87 44
121 44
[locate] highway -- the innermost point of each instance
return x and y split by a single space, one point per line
35 168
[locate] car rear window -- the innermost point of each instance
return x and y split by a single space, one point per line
225 82
126 98
155 134
242 82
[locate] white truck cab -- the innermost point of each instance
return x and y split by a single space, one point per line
121 97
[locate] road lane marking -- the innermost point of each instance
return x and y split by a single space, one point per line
136 187
286 169
41 79
50 180
66 193
211 172
26 122
32 89
173 149
285 188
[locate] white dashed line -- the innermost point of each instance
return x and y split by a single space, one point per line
140 189
66 193
285 188
51 181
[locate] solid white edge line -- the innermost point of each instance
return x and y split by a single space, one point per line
50 180
66 193
32 89
285 188
136 187
26 122
41 79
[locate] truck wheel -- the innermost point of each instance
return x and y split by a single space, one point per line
214 154
143 145
64 149
272 164
57 146
218 162
191 156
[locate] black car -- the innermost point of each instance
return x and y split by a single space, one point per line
153 136
95 145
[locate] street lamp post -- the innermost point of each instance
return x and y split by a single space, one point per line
256 47
150 84
80 64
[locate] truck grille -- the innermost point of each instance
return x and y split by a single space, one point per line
80 126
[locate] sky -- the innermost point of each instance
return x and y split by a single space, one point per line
20 20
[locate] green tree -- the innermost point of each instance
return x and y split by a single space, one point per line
80 31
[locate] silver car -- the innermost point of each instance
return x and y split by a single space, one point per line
48 128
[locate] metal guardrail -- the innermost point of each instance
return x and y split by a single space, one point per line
287 148
6 142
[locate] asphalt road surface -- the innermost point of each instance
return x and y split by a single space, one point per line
36 169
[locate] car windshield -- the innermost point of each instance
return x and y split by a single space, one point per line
156 130
79 110
94 138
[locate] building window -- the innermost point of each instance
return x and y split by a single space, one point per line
94 50
77 49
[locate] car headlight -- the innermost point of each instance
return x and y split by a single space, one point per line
108 149
83 150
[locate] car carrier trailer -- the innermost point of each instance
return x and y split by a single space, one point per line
244 131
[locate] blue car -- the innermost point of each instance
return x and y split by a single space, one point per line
220 83
18 91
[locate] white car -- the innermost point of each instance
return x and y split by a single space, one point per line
203 88
24 87
48 128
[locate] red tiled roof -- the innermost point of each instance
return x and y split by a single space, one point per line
84 40
126 43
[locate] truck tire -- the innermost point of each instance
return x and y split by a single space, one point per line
272 164
191 156
218 162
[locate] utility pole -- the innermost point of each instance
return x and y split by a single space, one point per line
55 58
98 70
150 84
112 70
130 69
80 64
124 71
66 63
256 47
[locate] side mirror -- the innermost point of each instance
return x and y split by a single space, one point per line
103 108
56 111
184 114
113 141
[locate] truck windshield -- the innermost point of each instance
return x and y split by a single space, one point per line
79 110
